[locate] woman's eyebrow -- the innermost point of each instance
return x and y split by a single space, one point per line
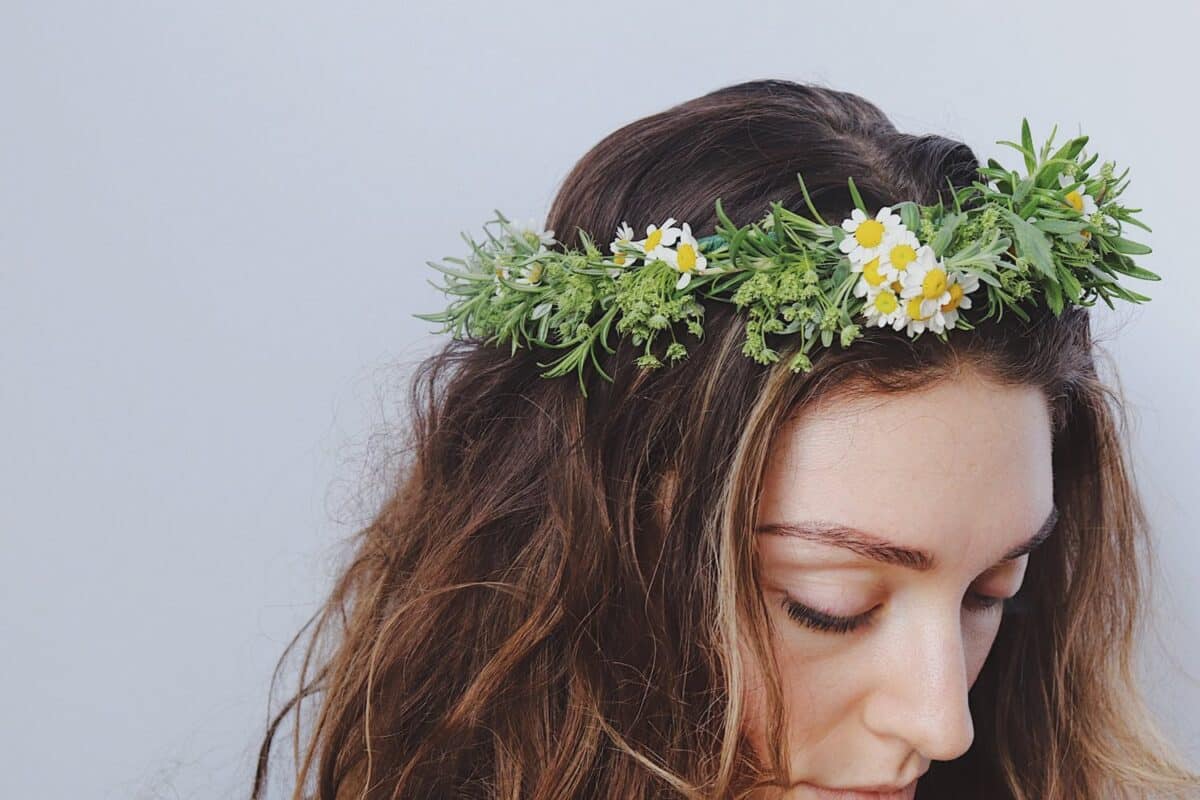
875 548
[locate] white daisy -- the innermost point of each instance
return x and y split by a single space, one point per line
658 238
501 272
532 233
898 252
1085 204
685 257
1078 199
926 280
624 238
872 278
961 284
867 236
915 321
531 273
883 308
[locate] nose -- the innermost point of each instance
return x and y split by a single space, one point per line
921 695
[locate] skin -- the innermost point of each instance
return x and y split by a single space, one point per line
961 469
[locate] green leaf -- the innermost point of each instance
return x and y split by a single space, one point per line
1136 222
1049 172
1071 149
945 233
1054 298
1134 271
1027 210
1027 145
858 201
722 217
735 244
1002 183
1128 247
1033 245
808 202
910 215
1126 294
953 196
1028 154
1060 225
1023 189
1070 284
1047 176
467 276
1045 152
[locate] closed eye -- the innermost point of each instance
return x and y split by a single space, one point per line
825 622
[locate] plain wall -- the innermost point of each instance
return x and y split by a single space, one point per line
214 223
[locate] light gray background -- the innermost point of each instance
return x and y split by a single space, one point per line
214 218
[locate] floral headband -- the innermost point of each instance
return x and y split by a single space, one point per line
1052 235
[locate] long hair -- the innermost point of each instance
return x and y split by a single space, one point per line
547 604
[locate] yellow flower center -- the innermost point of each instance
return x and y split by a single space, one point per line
956 294
1076 201
619 258
902 255
885 302
897 287
686 257
653 239
869 233
913 308
499 272
933 285
535 273
871 272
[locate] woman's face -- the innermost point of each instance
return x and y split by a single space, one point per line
900 509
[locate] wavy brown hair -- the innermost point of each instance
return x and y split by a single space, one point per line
548 603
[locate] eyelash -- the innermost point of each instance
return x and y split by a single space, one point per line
828 623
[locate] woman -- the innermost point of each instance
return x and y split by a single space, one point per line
915 568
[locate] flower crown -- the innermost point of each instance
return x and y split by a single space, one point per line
1051 235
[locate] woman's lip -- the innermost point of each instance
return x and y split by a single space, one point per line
825 793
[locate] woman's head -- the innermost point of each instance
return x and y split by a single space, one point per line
575 596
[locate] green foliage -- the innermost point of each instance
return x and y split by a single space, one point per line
1019 233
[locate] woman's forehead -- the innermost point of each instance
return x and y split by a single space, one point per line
963 457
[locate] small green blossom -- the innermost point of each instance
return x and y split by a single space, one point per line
648 361
928 229
800 363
